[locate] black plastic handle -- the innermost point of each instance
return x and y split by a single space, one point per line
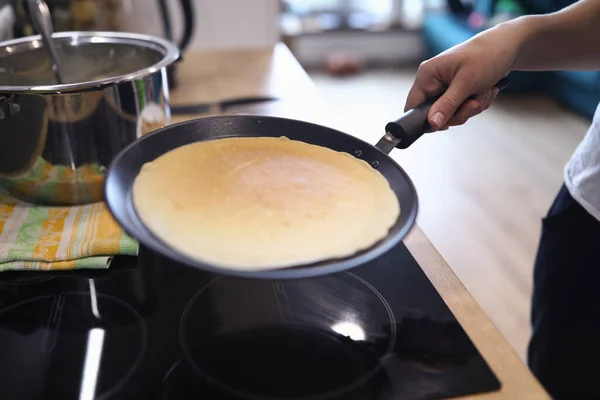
414 123
201 108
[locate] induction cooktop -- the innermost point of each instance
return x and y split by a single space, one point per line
148 328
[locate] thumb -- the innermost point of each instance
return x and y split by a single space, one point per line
442 110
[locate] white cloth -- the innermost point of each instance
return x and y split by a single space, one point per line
582 172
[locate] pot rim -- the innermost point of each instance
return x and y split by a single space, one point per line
169 51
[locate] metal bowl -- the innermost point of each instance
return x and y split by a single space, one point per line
56 140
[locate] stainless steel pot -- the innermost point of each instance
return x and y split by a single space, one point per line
57 140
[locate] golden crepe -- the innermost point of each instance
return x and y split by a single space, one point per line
263 203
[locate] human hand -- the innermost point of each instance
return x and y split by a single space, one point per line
470 69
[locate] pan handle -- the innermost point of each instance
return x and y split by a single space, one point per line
413 124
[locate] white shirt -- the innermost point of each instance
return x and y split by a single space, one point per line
582 172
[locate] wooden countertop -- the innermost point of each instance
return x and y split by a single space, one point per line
216 76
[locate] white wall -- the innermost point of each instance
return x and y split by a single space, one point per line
384 48
220 24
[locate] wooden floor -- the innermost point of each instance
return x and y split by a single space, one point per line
483 187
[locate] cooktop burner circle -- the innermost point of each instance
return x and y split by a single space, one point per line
77 333
304 339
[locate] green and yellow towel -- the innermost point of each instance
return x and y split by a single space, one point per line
59 238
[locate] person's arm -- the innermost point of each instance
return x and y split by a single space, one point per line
566 39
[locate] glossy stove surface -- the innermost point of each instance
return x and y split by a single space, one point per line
151 329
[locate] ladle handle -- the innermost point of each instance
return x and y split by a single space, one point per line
414 123
42 21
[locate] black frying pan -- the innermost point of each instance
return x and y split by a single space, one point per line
401 133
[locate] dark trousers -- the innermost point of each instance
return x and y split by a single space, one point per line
564 352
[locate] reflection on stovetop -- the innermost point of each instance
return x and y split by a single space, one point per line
149 328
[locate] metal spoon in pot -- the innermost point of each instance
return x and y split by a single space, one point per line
42 21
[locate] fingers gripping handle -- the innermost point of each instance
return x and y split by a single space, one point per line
414 123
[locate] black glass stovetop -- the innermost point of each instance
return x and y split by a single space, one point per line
151 329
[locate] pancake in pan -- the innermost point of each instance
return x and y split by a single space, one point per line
264 203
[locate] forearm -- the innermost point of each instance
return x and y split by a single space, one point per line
567 39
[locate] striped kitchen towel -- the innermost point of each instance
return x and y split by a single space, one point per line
59 238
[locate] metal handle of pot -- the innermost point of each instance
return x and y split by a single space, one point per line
414 123
42 21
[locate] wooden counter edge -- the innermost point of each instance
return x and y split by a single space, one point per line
516 379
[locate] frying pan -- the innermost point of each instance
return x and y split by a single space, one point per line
401 134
